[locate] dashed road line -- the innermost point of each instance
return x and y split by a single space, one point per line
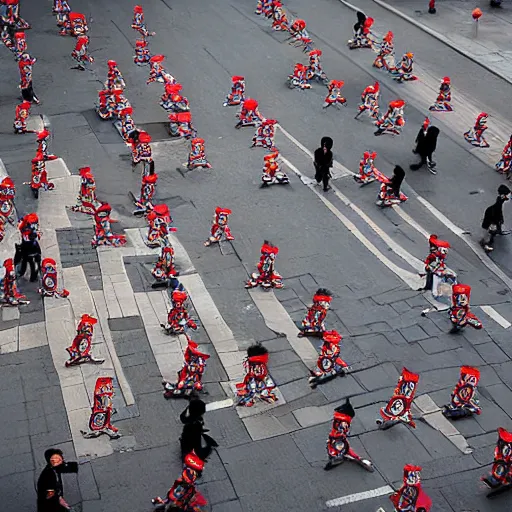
490 311
360 496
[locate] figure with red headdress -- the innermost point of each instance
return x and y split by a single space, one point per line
299 35
183 495
264 136
237 94
86 202
180 125
504 166
197 155
25 67
315 70
140 142
464 402
61 9
42 145
272 172
389 193
267 277
334 96
9 294
178 319
370 101
475 136
363 37
314 321
299 77
398 409
386 57
21 118
77 25
249 114
7 194
10 16
368 172
157 72
111 103
500 478
329 364
280 19
20 45
403 72
165 270
220 227
102 411
49 280
143 203
411 497
126 124
39 177
460 315
191 374
172 100
444 98
80 350
115 79
338 446
139 24
142 55
103 230
257 382
159 220
28 227
264 7
393 120
81 52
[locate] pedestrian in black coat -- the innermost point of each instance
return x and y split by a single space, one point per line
493 219
28 253
396 180
50 491
323 162
426 144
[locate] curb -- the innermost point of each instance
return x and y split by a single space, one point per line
434 34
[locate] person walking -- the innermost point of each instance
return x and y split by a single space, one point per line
426 143
323 162
493 219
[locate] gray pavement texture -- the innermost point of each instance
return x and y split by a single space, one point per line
270 461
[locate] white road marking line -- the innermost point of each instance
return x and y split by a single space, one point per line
412 280
405 216
490 311
360 496
220 404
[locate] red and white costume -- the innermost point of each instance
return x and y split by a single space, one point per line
25 67
159 220
20 45
272 172
80 349
329 364
315 70
28 226
368 173
280 20
314 321
264 7
220 226
138 23
386 57
249 114
264 136
300 36
475 136
363 37
144 202
102 410
127 124
505 164
61 9
444 98
39 177
403 72
80 53
178 319
237 94
180 125
157 72
49 280
164 268
141 149
21 117
393 120
411 497
7 194
460 315
111 103
370 101
77 25
267 277
103 230
197 155
86 202
9 294
42 145
172 100
334 96
463 399
142 55
299 77
115 79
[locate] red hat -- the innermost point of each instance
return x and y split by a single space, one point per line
446 80
31 218
150 178
144 137
194 462
184 117
128 111
138 9
76 16
220 210
141 43
315 52
25 105
338 83
333 337
86 319
49 261
161 209
43 134
237 78
173 88
179 296
461 289
271 156
9 264
104 207
250 104
269 248
388 37
482 114
269 122
469 370
368 22
411 467
410 376
38 158
157 58
19 35
397 104
197 140
111 63
192 346
7 182
263 359
300 23
503 434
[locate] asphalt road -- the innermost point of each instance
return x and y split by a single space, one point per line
204 44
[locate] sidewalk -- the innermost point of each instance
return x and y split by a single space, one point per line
454 25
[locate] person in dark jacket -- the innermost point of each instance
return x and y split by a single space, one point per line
50 492
28 253
396 180
323 162
193 436
426 143
493 219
